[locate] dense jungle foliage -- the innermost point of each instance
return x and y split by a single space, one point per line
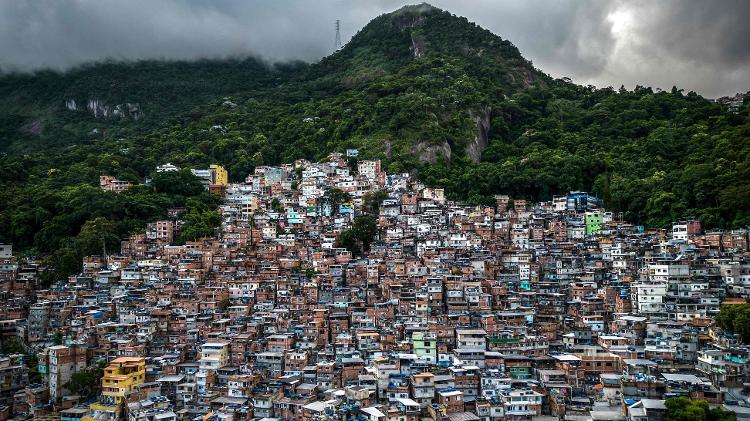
735 318
422 89
685 409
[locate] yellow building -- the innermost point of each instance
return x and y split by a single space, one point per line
220 175
120 377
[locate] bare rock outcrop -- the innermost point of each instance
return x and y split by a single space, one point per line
432 152
100 109
479 144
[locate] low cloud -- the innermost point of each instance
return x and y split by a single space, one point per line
693 44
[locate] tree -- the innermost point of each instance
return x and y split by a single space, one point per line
34 375
735 318
276 205
348 240
224 304
64 261
685 409
95 235
11 345
86 382
334 198
372 200
358 238
182 182
200 224
352 162
365 228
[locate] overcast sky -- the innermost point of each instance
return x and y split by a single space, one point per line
700 45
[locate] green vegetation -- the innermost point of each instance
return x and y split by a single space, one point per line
33 112
276 205
224 304
685 409
655 156
372 200
32 361
11 345
419 88
86 383
63 218
335 198
200 221
735 318
94 236
358 238
177 183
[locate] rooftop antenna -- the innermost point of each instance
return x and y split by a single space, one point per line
337 43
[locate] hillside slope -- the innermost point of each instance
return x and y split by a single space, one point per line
420 88
48 109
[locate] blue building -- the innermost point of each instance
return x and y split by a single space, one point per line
293 217
581 201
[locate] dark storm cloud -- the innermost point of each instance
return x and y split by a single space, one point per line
570 38
697 45
698 30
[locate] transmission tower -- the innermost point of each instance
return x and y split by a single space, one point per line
338 35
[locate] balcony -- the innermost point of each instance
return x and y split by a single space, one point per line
422 385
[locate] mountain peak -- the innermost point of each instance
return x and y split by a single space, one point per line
415 8
422 32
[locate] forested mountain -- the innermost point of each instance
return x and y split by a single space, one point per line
420 88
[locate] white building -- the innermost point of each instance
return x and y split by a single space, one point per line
214 355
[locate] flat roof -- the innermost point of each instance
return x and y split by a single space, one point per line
408 402
450 392
372 411
121 360
566 357
638 361
172 378
690 378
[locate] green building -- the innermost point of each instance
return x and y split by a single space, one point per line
425 346
593 223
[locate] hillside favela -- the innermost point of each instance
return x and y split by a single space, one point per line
403 220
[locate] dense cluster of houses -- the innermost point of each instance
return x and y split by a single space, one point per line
514 311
